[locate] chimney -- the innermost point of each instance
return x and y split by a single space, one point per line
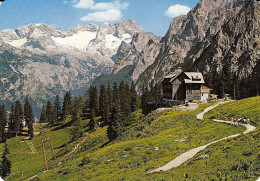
179 70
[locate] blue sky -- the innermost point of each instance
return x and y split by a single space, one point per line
153 15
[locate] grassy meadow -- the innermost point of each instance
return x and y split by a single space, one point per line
147 143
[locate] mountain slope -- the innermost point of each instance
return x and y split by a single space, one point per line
185 33
41 61
234 53
148 143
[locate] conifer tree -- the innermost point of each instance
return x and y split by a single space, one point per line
6 164
85 110
144 101
3 121
29 117
93 99
76 110
57 109
109 95
81 104
134 98
43 117
26 111
50 113
18 118
66 107
114 121
156 92
124 100
12 121
92 122
104 104
115 93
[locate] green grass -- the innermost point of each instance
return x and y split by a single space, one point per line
133 154
131 159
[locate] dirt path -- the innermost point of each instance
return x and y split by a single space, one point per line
64 159
191 153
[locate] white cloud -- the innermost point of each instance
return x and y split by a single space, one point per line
0 3
103 16
103 11
84 4
110 5
65 2
177 10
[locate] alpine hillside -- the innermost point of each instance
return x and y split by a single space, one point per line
212 37
41 61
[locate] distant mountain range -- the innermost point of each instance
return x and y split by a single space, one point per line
219 38
41 61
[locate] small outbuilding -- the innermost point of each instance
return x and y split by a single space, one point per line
205 93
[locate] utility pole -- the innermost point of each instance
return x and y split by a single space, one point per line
234 91
45 162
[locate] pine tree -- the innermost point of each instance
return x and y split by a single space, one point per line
134 98
92 122
109 95
26 111
81 104
11 123
113 129
43 117
3 121
6 164
18 117
144 101
29 117
76 111
66 107
50 113
85 110
115 93
93 99
57 109
124 100
157 92
104 104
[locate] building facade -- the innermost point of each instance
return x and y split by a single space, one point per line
183 86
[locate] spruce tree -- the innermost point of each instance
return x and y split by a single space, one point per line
93 99
81 104
85 110
124 96
57 109
113 129
104 104
144 101
26 111
6 164
12 121
66 107
18 118
3 122
43 117
134 98
29 117
92 122
115 93
109 95
50 113
76 111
